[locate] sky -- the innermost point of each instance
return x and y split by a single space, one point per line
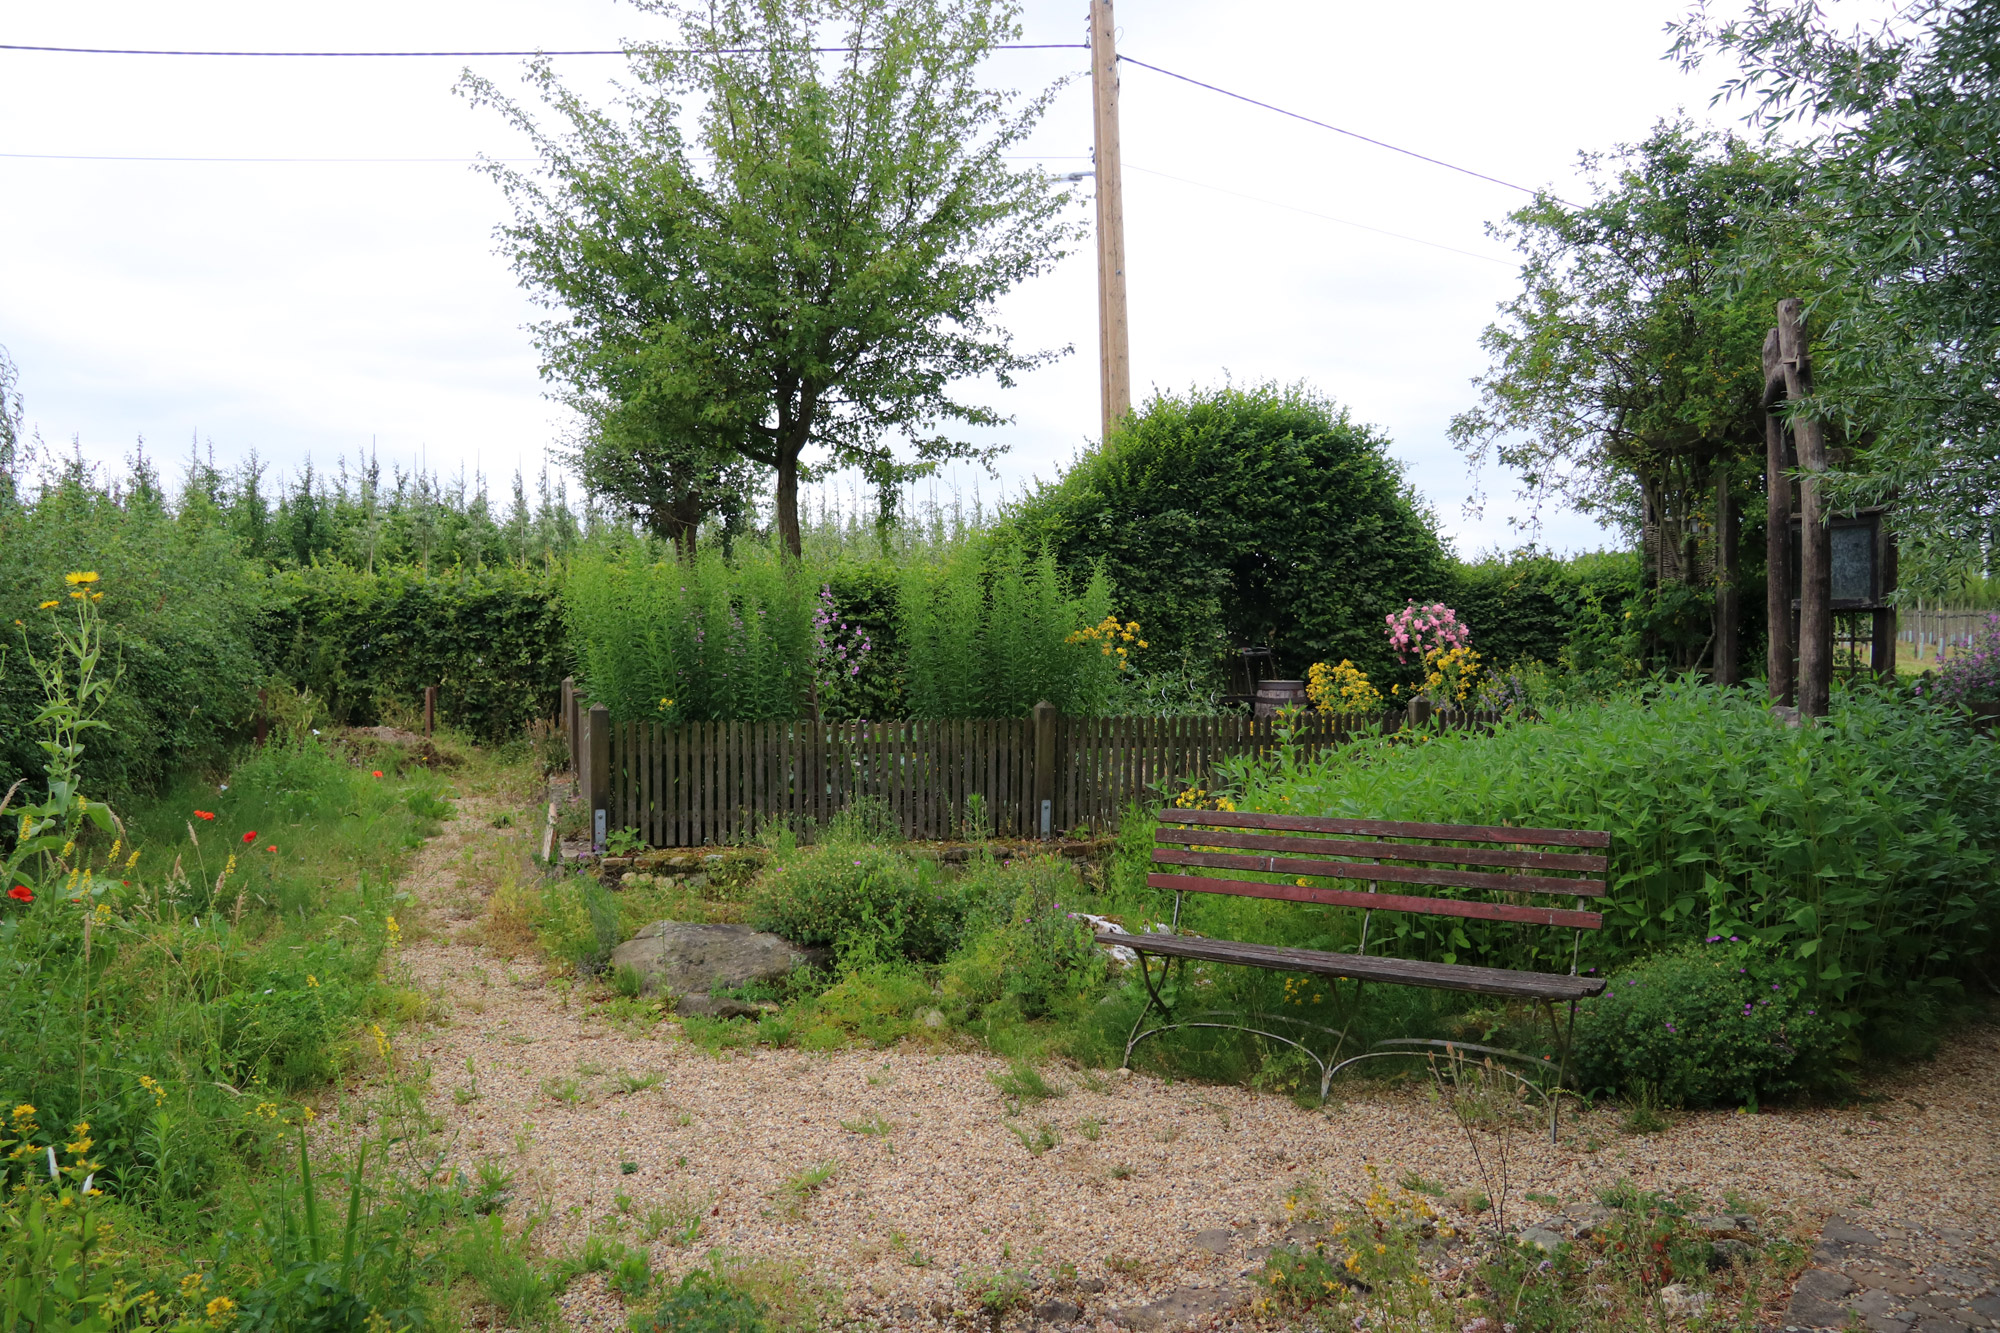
319 309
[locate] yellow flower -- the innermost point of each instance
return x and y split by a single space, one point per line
77 595
46 605
152 1085
229 866
97 597
86 577
192 1284
24 1112
132 860
393 931
103 914
221 1307
312 981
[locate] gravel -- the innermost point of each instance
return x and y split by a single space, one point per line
1181 1180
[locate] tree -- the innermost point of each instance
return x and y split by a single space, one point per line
1236 517
1627 373
796 269
1895 248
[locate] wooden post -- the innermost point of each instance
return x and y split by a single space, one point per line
1882 653
1777 532
1044 808
1113 344
1815 562
596 770
430 708
1728 529
569 718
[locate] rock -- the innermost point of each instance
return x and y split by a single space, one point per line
1123 1073
932 1018
1216 1240
1682 1301
1877 1302
1180 1308
1718 1226
1943 1325
1541 1238
1819 1299
1847 1233
1058 1311
709 1006
1088 1286
1589 1221
1727 1252
1889 1323
685 957
1305 1233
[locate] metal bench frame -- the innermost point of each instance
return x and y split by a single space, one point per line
1306 848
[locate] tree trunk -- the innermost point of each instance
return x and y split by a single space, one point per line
1728 528
1777 532
788 499
1815 564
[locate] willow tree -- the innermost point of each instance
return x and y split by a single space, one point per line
1626 377
782 244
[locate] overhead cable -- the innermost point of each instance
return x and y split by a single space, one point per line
469 55
1352 134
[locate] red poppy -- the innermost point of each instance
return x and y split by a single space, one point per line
378 772
251 836
204 814
272 848
21 893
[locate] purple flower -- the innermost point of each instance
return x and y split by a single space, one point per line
1715 939
1774 985
1732 939
1670 1027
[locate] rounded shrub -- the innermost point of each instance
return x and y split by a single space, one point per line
842 894
1711 1024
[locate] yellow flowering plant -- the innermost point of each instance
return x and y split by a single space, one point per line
1341 688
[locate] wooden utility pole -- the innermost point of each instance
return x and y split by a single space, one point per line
1113 345
1777 531
1815 547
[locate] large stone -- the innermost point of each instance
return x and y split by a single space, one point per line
1541 1238
1181 1308
1058 1311
1848 1233
1819 1300
687 957
1216 1240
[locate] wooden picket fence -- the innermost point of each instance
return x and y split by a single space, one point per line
698 783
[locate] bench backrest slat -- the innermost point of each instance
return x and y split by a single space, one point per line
1387 852
1465 856
1384 902
1396 874
1384 828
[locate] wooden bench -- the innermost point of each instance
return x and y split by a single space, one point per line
1314 858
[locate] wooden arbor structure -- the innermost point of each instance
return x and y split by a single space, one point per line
1818 564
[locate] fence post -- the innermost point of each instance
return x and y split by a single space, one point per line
595 770
569 718
430 708
1419 712
1045 768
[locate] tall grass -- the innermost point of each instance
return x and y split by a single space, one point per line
707 640
992 633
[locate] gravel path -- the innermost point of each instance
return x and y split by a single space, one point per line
1138 1167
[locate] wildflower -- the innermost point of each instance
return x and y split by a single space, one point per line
21 893
192 1284
85 577
132 860
251 836
378 772
312 981
272 848
46 605
24 1112
220 1308
152 1085
393 931
102 914
205 815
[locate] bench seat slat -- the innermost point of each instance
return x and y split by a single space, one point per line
1384 828
1439 976
1383 902
1457 879
1394 851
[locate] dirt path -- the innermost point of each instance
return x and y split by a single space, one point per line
1148 1186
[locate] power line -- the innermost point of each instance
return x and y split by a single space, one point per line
469 55
1352 134
128 157
1328 217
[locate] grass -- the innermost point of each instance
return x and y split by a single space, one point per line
874 1126
1037 1140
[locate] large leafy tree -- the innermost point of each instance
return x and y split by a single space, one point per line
782 246
1627 373
1896 247
1241 517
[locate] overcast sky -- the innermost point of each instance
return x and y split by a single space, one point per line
313 308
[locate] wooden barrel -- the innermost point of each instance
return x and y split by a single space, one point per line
1275 694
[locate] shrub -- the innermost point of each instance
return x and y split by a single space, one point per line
1028 955
1860 848
1712 1024
1973 674
706 1301
853 896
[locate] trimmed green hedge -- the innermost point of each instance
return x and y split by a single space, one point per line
492 640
